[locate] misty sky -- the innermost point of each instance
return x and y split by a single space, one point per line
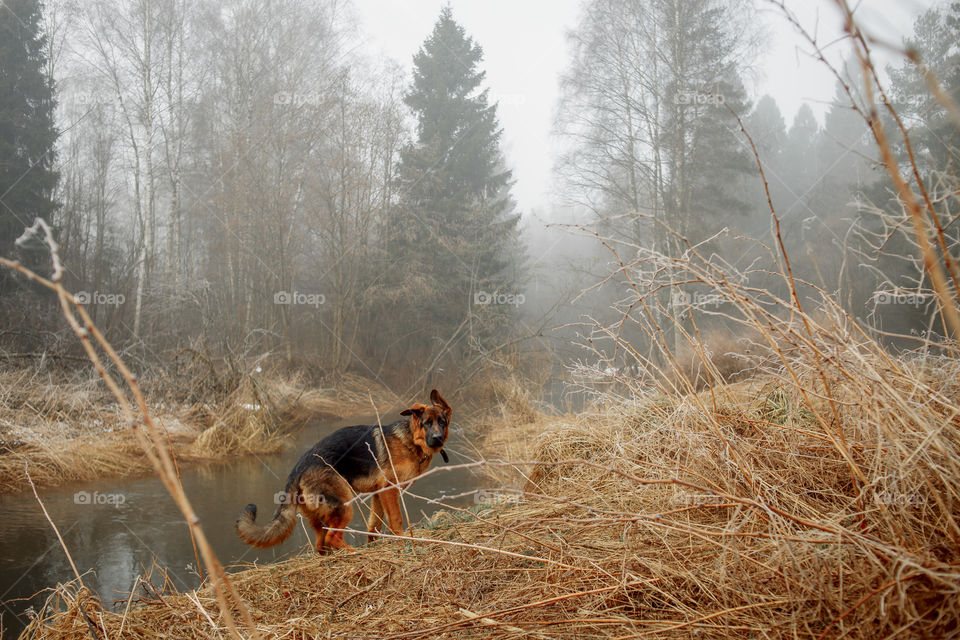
525 51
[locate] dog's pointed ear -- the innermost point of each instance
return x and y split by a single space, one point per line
438 400
417 409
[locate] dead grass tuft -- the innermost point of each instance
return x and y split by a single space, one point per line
63 425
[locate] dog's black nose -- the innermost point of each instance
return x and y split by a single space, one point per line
435 441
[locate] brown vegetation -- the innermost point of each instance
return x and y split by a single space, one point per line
728 513
67 427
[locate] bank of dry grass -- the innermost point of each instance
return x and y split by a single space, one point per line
66 426
733 512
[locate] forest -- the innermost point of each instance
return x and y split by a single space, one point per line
232 179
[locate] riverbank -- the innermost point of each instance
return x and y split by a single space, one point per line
67 428
736 512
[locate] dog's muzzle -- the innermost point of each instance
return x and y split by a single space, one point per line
434 442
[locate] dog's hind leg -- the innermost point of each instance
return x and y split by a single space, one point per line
338 519
321 535
376 517
324 495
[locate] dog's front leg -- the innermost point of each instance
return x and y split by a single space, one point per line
390 501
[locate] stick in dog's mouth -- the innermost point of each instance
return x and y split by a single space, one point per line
443 454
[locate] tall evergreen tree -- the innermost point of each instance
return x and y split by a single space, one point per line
27 133
456 230
846 149
801 160
768 130
706 160
935 147
934 135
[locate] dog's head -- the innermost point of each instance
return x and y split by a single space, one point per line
430 425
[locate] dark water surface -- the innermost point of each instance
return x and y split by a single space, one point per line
116 529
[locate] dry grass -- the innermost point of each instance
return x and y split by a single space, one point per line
67 427
665 517
719 352
258 415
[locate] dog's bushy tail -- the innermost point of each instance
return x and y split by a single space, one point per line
275 531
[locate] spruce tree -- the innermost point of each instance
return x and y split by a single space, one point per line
934 135
707 162
456 229
801 161
27 133
768 130
844 150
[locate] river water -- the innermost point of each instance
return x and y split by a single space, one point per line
117 529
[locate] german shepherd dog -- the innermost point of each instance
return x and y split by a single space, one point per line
354 460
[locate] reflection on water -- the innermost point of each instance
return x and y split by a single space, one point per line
117 529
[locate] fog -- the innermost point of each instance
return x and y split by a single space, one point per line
525 55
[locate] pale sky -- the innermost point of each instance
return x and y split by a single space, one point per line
525 52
